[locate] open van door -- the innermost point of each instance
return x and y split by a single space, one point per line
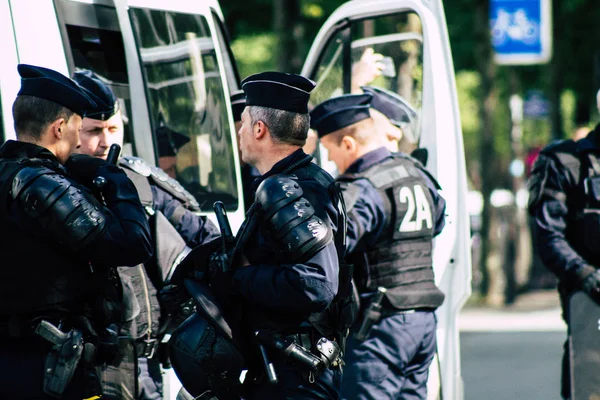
412 36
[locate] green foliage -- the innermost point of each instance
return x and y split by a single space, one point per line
254 53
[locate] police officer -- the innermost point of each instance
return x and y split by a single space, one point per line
58 242
249 173
289 273
394 211
176 229
564 200
393 116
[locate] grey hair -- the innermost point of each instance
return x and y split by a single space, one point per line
285 126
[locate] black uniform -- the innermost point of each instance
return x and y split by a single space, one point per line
170 209
57 242
565 202
281 291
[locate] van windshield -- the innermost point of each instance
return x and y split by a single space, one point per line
187 103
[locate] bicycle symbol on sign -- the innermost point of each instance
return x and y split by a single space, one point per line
514 26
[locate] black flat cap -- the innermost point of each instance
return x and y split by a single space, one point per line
393 106
238 103
289 92
106 101
50 85
169 141
340 112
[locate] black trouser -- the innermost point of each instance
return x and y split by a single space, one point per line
22 371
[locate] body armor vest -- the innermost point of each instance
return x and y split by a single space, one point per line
583 228
402 259
140 283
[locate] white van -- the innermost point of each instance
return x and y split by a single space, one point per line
173 58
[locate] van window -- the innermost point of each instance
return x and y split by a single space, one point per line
93 41
187 100
396 43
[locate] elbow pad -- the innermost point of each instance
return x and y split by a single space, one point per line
69 214
291 219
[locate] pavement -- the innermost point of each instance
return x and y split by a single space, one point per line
535 311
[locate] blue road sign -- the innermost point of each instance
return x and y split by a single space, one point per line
521 31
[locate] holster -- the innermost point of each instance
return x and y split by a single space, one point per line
62 360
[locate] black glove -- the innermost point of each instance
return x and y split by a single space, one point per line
196 265
84 168
591 285
172 297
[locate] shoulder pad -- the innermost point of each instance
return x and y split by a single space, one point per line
69 213
277 191
161 179
560 146
136 164
565 153
291 218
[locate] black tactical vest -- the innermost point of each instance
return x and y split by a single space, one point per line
582 161
402 260
141 283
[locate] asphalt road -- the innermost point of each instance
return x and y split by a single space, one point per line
511 365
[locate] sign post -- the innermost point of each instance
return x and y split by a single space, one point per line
521 31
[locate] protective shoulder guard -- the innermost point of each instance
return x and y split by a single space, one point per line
568 154
564 154
291 218
69 214
161 179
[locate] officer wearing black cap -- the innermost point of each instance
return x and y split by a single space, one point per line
394 211
175 229
59 243
249 173
287 281
393 115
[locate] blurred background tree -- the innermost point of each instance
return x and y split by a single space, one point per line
277 34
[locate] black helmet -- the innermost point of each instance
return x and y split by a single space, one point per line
202 351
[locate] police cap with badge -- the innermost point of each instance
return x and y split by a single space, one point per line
340 112
107 103
50 85
394 107
278 90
